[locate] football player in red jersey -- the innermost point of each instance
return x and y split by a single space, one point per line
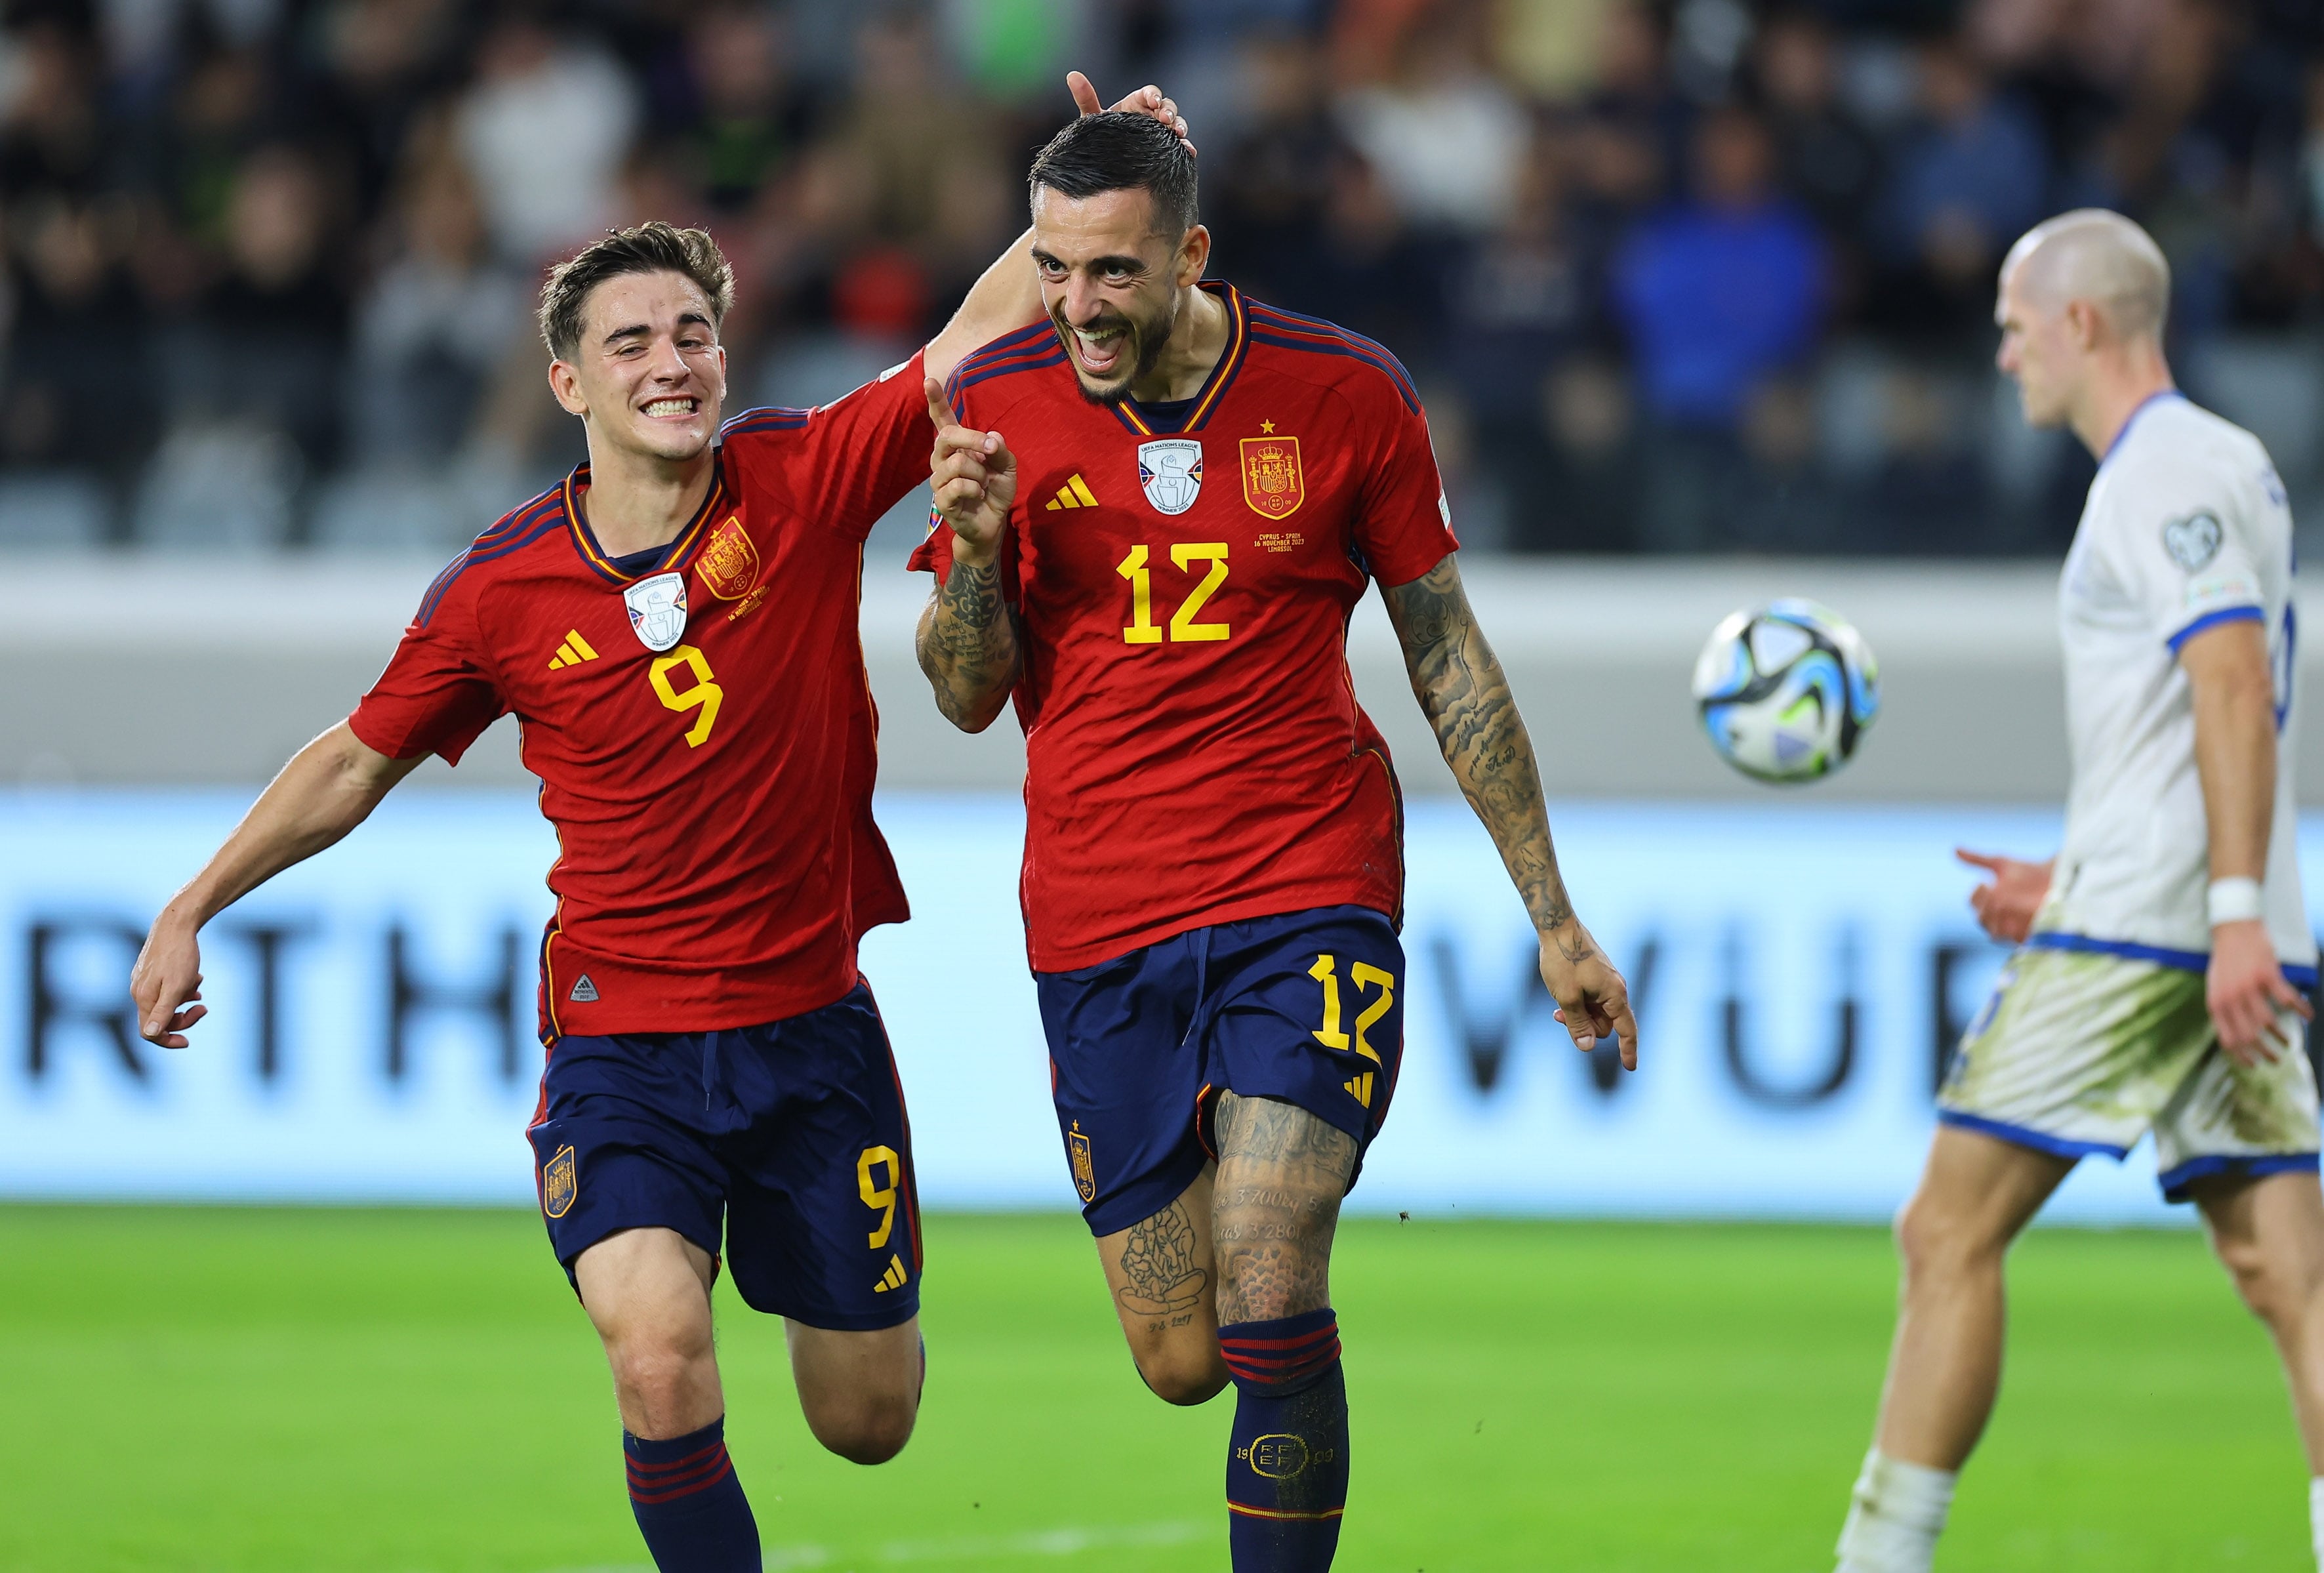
1159 561
676 627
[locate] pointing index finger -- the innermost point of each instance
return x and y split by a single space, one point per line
939 407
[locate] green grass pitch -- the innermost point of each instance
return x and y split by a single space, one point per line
416 1392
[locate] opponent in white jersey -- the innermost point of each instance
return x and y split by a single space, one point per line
2153 988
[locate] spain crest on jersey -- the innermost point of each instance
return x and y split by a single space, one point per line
1271 481
657 610
728 561
1170 473
1084 1171
557 1184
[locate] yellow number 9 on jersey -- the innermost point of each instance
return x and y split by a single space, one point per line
704 695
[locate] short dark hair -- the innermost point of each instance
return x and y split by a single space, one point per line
653 247
1121 151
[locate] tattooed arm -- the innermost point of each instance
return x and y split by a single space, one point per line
967 640
1465 695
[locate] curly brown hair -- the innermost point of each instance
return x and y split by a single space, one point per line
652 247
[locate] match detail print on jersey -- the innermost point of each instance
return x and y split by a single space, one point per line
1170 472
657 610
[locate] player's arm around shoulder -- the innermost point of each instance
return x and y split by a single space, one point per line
967 638
1465 695
2232 687
329 787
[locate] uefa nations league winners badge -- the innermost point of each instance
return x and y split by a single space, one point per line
1171 472
657 610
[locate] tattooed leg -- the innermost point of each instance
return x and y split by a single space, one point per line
1281 1174
1162 1278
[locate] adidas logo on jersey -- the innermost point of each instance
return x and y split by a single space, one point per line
1073 493
572 652
1360 1088
893 1278
584 991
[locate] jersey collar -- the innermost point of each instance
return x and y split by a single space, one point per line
1214 386
681 550
2131 420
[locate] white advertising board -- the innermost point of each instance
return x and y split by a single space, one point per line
1800 968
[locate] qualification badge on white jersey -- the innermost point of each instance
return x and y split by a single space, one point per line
657 610
1170 470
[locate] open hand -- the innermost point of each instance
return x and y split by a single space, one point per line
1147 100
2005 908
974 476
2248 993
1592 1000
166 982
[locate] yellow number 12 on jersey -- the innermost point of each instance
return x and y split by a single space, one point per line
1142 630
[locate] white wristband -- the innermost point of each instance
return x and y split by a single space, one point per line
2235 901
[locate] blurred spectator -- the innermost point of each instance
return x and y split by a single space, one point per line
909 191
746 122
50 137
1625 138
387 61
435 326
1969 181
1724 287
1717 293
1827 160
1265 200
1371 274
1446 137
78 384
544 130
266 344
1518 303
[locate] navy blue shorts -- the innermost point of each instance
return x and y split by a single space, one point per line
786 1144
1306 1008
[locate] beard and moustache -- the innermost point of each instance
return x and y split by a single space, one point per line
1146 341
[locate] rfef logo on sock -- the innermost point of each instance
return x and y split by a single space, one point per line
1278 1457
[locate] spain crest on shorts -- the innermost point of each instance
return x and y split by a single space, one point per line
1084 1169
1271 481
557 1183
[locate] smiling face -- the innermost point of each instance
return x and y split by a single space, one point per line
648 376
1111 284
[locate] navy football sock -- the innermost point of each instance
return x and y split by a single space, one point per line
690 1508
1287 1466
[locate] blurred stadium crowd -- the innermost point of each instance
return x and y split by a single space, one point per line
1701 276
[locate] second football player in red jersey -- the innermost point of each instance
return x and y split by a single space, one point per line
675 625
1160 507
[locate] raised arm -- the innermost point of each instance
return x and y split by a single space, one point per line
2234 696
1008 295
329 787
1465 695
967 638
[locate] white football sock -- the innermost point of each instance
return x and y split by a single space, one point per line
1898 1511
2316 1517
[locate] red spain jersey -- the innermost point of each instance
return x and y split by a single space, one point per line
1195 753
703 730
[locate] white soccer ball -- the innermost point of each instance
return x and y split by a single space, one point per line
1786 691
